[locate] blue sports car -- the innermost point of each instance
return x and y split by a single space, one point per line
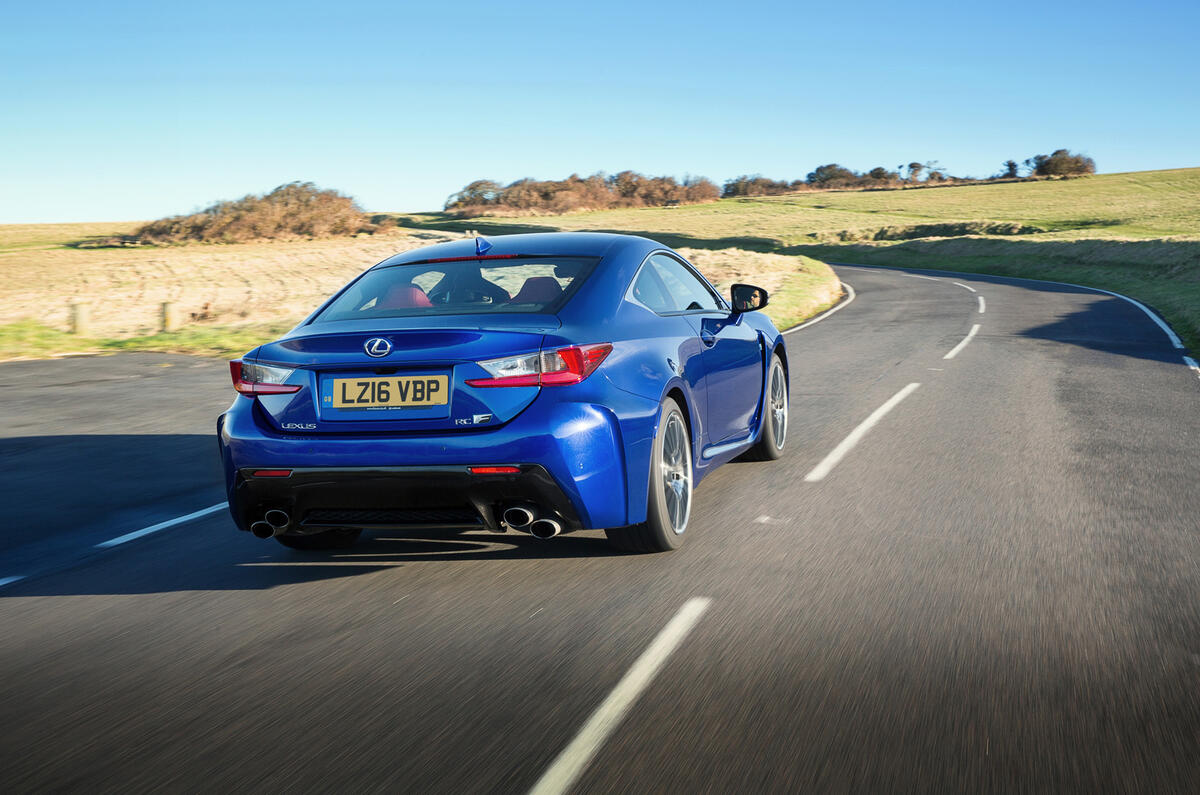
540 383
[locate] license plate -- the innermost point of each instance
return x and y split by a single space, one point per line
390 392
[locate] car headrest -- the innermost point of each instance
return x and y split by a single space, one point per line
403 296
537 290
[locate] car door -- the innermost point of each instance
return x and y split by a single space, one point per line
731 351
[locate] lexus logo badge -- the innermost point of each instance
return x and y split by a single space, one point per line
377 347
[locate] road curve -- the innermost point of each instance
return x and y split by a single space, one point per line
994 587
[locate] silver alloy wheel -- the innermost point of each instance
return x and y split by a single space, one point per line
779 405
676 471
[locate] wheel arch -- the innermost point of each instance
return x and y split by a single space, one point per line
780 350
681 396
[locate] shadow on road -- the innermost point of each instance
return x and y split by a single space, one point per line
1108 324
53 485
223 559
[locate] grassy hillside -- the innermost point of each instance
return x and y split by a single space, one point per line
1145 204
1136 233
27 237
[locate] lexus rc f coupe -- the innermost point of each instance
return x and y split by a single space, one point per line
539 383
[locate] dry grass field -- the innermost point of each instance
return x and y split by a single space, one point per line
210 284
232 297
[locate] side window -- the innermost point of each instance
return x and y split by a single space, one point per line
650 292
686 291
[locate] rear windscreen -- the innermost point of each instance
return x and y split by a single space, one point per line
529 284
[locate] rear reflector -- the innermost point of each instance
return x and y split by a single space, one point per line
495 470
272 473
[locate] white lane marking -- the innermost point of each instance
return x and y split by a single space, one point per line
838 453
966 286
850 296
574 759
919 276
1190 362
982 304
10 580
154 528
955 350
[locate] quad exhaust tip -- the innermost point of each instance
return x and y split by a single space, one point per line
274 523
519 516
544 528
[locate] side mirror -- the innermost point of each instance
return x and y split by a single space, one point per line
747 297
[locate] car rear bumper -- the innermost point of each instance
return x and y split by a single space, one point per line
574 457
397 498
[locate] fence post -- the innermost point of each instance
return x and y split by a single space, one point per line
170 316
81 319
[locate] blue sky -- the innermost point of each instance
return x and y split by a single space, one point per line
132 111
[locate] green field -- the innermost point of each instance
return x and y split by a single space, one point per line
1136 233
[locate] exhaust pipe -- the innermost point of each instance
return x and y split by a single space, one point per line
518 517
262 530
544 528
278 521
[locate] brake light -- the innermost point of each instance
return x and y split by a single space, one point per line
495 470
464 259
560 367
260 379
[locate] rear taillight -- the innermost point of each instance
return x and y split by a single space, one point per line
548 368
260 379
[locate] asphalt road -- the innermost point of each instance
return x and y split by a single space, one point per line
996 589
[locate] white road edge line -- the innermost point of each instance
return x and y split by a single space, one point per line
967 286
919 276
850 296
982 304
574 759
846 445
957 348
154 528
10 580
1190 362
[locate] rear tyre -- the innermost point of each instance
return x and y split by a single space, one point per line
669 503
775 416
330 539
